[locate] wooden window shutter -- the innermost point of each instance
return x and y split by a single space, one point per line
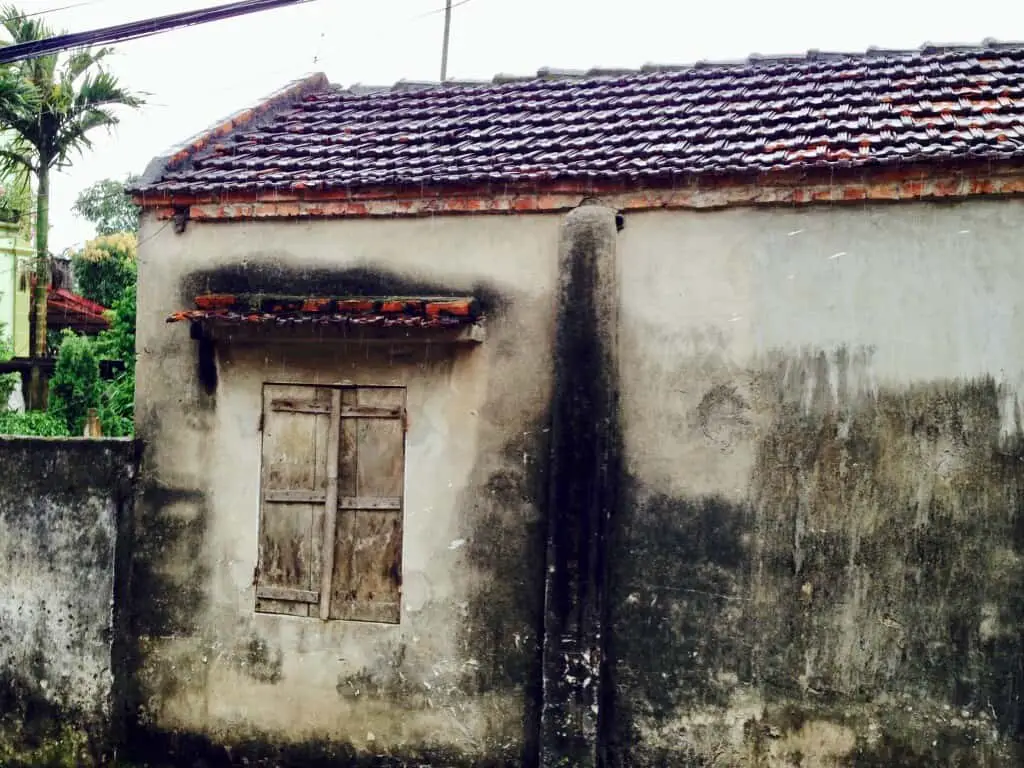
367 580
331 495
294 497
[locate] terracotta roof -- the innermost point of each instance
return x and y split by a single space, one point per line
406 312
65 309
661 123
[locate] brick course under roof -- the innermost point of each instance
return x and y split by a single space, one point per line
656 126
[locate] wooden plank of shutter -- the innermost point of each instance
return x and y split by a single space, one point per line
299 405
368 556
331 509
370 502
295 496
285 593
371 412
293 499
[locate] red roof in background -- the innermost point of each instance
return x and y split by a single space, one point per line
65 309
655 126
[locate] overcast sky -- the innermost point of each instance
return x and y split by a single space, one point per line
195 76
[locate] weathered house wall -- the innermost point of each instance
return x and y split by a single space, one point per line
821 415
63 505
775 521
453 679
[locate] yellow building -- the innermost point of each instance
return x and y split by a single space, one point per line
15 287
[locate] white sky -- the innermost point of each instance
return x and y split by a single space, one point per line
196 76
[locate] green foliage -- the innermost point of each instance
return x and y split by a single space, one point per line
118 341
117 407
8 381
107 207
15 199
105 268
37 423
75 387
51 105
55 100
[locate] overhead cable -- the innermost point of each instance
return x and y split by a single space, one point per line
137 29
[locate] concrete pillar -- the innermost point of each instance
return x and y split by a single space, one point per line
583 490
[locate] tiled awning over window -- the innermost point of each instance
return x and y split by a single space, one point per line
372 311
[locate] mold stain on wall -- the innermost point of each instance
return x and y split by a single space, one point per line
861 604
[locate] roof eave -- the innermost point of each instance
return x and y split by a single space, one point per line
963 175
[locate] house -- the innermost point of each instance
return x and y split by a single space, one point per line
15 266
663 417
15 292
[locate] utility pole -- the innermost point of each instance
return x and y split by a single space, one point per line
447 33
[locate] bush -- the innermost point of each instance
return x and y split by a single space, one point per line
117 407
8 381
75 386
39 423
105 267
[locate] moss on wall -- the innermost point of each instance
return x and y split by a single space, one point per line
63 507
862 604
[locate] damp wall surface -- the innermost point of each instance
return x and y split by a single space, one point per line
455 682
823 557
64 503
737 487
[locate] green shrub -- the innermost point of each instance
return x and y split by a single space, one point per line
38 423
117 407
8 381
75 386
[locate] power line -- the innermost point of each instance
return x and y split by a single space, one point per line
443 9
58 9
138 29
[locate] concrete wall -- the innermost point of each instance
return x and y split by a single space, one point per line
822 429
62 504
782 529
453 681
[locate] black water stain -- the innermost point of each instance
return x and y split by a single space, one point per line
162 601
206 364
36 733
911 500
165 749
261 661
504 533
677 614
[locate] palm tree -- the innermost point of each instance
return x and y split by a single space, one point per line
60 101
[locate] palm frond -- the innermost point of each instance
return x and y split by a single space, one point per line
22 28
81 61
102 88
51 103
13 162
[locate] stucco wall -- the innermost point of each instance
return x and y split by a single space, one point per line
809 553
62 505
15 254
821 415
453 679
